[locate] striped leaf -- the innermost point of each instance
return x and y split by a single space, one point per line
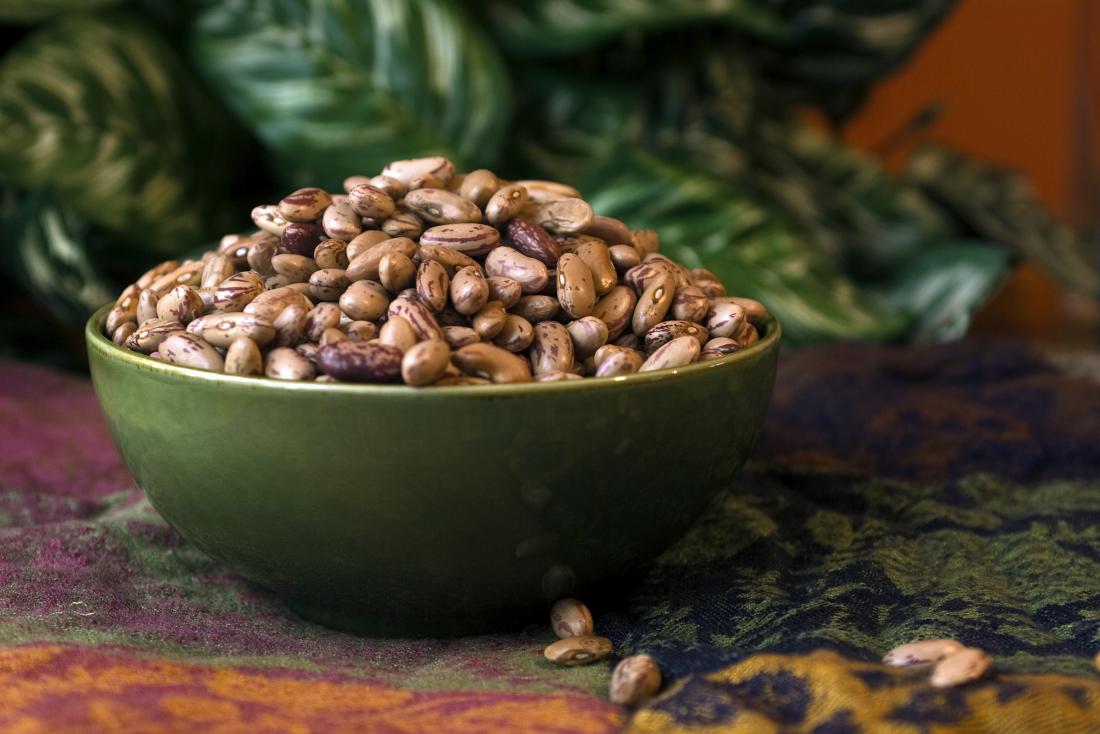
819 51
344 86
703 222
101 110
540 28
45 249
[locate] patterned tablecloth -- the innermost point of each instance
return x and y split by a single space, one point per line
895 494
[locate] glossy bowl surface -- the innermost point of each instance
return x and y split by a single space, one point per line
387 509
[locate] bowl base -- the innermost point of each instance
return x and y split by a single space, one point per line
365 624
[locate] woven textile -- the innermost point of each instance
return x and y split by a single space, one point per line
895 494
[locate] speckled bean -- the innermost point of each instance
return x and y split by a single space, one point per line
540 191
645 241
964 666
537 308
360 331
189 350
409 171
397 332
183 304
563 215
271 303
268 218
491 362
294 268
653 304
425 362
612 231
634 681
725 319
237 291
489 320
419 317
152 274
923 652
370 201
364 242
301 238
575 290
320 317
260 254
471 239
148 336
224 328
708 282
505 204
365 265
403 224
216 270
505 290
440 206
304 205
243 357
581 650
612 361
666 331
459 336
507 262
570 618
395 188
432 285
515 335
452 260
588 335
551 348
340 221
678 352
469 290
284 363
533 241
690 304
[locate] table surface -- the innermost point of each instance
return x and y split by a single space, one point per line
895 494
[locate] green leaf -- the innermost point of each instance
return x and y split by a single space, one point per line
100 110
942 287
539 28
343 87
45 250
1001 206
704 222
33 11
867 220
819 51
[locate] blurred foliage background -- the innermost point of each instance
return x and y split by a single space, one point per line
136 130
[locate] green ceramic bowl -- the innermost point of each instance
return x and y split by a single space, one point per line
388 509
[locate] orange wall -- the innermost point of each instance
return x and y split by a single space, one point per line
1019 84
1013 78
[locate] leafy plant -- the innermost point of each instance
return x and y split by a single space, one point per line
345 86
99 109
134 132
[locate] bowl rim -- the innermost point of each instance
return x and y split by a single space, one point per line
106 348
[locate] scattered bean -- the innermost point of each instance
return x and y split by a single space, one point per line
923 652
634 681
570 618
964 666
581 650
